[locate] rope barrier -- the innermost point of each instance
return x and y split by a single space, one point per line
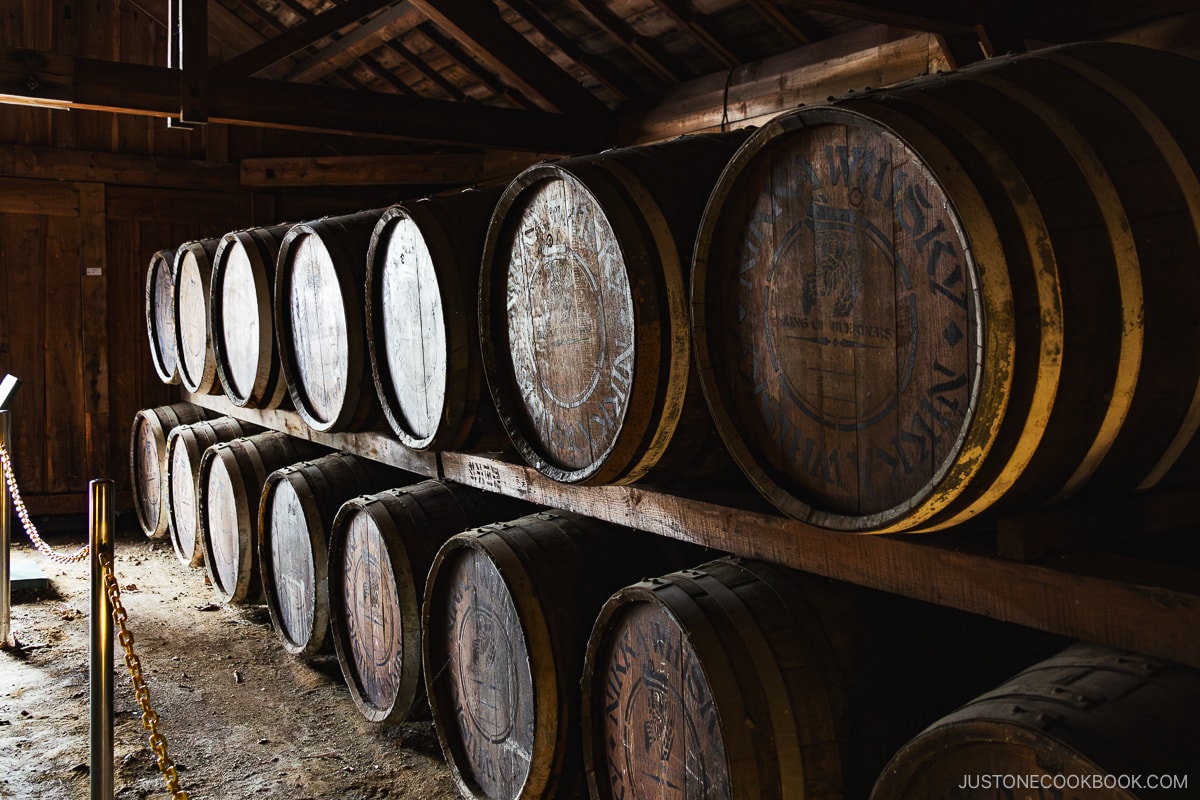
150 720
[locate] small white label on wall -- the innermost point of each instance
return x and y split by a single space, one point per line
95 271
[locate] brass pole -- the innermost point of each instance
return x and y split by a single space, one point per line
100 524
5 517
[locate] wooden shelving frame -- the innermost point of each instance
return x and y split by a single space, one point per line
1147 607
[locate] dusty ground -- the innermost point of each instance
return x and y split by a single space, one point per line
242 718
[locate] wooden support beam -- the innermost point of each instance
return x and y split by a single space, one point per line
478 26
748 95
805 33
301 36
93 256
434 168
450 47
58 164
935 16
429 72
187 51
48 79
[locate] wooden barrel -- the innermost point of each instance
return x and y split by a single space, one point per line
739 679
160 316
380 550
193 332
148 461
1090 724
956 295
505 619
422 325
185 447
582 311
228 491
243 323
319 320
295 515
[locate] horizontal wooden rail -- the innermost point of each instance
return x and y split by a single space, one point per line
1147 611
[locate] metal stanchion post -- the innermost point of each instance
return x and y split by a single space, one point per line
101 522
5 516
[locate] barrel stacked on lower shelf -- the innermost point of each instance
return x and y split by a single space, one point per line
562 656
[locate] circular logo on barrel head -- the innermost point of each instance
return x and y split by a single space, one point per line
373 622
660 733
850 316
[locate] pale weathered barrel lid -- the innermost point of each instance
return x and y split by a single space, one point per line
242 312
839 324
192 273
567 297
160 316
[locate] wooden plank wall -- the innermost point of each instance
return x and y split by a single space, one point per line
85 198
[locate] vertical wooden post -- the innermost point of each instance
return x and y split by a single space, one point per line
93 246
187 50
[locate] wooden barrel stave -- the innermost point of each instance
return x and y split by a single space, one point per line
380 550
1024 166
504 622
229 488
192 274
742 679
185 448
319 321
296 513
422 326
1089 711
160 316
582 313
244 341
147 461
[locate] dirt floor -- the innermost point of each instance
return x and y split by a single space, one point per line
242 718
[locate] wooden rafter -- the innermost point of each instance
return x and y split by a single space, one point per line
363 39
647 51
299 37
54 80
805 32
613 79
456 54
478 26
420 65
935 16
701 28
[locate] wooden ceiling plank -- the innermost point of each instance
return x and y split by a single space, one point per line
429 72
647 51
187 51
807 32
366 37
386 75
55 80
299 37
613 79
464 60
699 27
478 26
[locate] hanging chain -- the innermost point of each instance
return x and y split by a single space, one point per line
31 531
158 742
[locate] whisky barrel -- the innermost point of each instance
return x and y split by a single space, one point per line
957 295
185 447
243 322
1091 723
228 491
295 515
506 615
743 680
148 461
192 274
422 325
319 321
380 550
582 311
160 316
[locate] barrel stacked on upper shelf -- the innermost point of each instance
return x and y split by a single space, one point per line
972 291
